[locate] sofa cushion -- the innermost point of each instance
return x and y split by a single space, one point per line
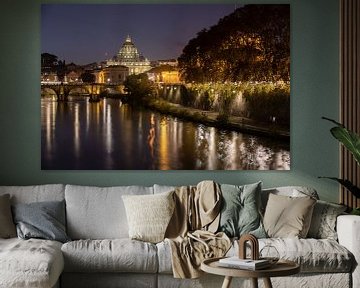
98 213
287 216
323 222
30 263
7 226
240 210
117 255
163 188
149 215
36 193
313 255
43 220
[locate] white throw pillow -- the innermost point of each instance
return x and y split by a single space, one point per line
149 215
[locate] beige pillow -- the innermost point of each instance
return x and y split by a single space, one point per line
7 226
288 217
149 215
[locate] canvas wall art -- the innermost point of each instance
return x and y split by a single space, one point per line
165 87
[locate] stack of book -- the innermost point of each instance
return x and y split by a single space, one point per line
248 264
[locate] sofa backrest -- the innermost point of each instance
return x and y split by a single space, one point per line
98 212
36 193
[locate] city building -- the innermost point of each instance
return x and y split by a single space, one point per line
73 77
170 62
129 56
111 74
164 74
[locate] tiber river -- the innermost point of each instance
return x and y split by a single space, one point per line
111 135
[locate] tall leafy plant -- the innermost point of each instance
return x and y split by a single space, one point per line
351 141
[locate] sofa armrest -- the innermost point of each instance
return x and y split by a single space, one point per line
348 230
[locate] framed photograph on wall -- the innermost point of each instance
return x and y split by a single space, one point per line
165 87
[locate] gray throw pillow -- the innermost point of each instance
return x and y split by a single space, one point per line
7 226
44 220
240 210
323 222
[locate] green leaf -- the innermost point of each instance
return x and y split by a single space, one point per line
347 184
348 138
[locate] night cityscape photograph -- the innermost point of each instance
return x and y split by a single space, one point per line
165 87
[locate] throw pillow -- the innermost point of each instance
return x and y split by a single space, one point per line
288 217
323 222
44 220
7 227
240 210
149 215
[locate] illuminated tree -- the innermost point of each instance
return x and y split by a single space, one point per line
251 44
139 87
88 77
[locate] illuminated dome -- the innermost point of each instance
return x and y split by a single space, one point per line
129 56
128 52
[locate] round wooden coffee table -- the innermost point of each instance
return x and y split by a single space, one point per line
281 268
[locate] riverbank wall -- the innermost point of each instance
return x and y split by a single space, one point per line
212 118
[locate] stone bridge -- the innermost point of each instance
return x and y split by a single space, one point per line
62 90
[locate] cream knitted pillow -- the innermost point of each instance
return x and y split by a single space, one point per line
149 215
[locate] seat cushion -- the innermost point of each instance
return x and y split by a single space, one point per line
117 255
313 255
30 263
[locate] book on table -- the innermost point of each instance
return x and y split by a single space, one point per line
249 264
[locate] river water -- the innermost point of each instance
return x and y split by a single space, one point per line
112 135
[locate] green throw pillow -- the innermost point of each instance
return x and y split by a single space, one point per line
240 210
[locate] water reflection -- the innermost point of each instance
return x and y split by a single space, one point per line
110 135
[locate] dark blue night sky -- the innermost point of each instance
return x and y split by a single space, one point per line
91 33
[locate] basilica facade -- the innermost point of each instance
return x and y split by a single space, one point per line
129 57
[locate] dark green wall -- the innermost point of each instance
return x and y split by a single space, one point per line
314 93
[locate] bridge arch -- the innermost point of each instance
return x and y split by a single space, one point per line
48 92
63 90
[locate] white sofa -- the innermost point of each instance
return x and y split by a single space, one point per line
101 254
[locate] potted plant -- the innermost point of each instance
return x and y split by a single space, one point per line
351 141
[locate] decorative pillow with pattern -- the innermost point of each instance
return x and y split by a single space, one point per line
323 223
